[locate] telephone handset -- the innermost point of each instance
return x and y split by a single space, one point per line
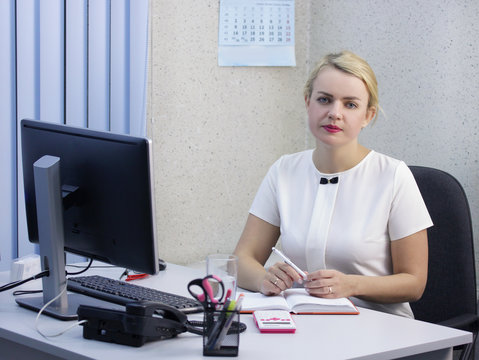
140 322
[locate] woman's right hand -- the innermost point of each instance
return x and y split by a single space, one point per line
279 277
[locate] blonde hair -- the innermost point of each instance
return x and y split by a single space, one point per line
352 64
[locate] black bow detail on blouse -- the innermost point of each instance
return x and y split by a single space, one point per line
325 181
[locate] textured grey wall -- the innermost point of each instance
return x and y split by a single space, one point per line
426 58
217 130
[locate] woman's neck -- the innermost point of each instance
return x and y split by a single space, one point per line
331 160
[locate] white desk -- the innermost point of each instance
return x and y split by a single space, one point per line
370 335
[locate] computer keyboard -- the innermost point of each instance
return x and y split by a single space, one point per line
121 292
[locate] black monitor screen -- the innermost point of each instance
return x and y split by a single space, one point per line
109 216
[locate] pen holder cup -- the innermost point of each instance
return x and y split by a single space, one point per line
221 333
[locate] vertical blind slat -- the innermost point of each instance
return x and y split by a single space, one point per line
28 96
119 104
52 61
28 91
7 127
138 66
76 63
99 64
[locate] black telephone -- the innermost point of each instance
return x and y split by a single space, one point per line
141 322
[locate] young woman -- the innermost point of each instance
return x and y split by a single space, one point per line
350 217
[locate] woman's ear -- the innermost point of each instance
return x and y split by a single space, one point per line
370 114
306 100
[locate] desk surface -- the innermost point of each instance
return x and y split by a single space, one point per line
369 335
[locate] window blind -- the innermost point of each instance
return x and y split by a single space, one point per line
76 62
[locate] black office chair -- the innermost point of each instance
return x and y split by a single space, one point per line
450 296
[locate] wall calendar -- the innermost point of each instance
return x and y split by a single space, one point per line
256 33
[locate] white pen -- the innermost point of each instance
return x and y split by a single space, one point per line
290 263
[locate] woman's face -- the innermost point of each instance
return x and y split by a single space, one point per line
338 107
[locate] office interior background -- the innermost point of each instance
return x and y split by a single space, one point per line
216 130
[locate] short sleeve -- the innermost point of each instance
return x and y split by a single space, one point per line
409 213
265 203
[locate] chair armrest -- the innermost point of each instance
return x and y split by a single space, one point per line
468 322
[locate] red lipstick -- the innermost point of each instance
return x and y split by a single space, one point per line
332 128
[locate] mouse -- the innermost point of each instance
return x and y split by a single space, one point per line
162 264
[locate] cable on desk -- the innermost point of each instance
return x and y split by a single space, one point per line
197 326
20 282
64 330
93 266
82 270
37 276
25 292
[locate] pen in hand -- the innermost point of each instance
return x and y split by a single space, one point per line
290 263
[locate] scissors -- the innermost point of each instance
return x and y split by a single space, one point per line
206 291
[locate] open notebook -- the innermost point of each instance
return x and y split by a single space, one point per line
297 301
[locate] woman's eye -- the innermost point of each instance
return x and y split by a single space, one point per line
323 100
351 105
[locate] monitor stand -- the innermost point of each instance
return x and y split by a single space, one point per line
49 203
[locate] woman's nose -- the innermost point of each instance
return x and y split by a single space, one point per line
335 111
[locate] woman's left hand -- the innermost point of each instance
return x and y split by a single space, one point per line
330 284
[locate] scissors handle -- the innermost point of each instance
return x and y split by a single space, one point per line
209 290
206 295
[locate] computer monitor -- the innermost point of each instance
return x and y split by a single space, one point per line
89 193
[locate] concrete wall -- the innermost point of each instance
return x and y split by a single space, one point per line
426 58
217 130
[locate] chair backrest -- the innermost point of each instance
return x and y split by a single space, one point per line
451 285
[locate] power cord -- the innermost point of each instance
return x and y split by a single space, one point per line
197 327
82 270
20 282
46 336
35 277
21 292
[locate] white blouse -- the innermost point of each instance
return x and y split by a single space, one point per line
347 226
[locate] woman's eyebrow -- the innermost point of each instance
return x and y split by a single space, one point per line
319 92
324 93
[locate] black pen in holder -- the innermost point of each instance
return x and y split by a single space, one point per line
221 332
